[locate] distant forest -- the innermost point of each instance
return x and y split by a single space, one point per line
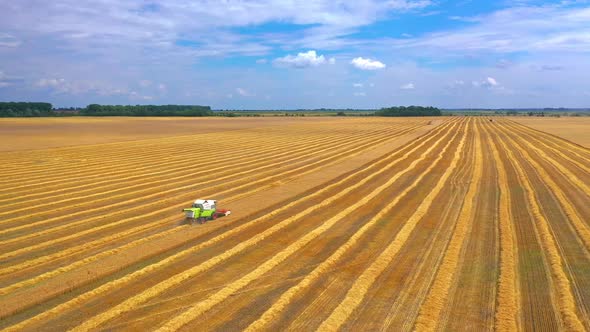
46 109
146 110
409 111
25 109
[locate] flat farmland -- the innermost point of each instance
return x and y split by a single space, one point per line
574 129
353 224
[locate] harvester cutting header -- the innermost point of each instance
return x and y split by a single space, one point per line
204 210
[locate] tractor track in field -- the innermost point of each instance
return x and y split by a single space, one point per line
471 225
508 306
432 307
472 297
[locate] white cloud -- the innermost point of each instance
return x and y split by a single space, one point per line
162 87
360 94
50 82
145 83
357 85
489 82
243 92
261 61
523 28
367 64
303 60
67 87
408 86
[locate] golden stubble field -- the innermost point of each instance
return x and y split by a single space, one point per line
355 224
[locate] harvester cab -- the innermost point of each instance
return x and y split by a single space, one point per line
204 210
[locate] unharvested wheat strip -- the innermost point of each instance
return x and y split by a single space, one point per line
432 306
286 298
508 304
247 156
571 212
357 292
298 157
70 178
305 151
300 146
145 227
557 151
349 153
224 293
555 138
567 303
129 278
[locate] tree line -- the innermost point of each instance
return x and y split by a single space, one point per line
12 109
146 110
26 109
409 111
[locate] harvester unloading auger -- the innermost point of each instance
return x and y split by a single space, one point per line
204 210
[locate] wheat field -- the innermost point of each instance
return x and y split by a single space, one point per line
352 224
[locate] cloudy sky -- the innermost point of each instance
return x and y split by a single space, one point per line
297 54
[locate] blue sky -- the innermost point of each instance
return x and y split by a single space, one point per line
297 54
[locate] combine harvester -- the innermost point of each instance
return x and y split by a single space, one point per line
204 210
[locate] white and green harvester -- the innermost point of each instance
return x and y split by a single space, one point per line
204 210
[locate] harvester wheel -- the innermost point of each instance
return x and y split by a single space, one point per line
214 216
